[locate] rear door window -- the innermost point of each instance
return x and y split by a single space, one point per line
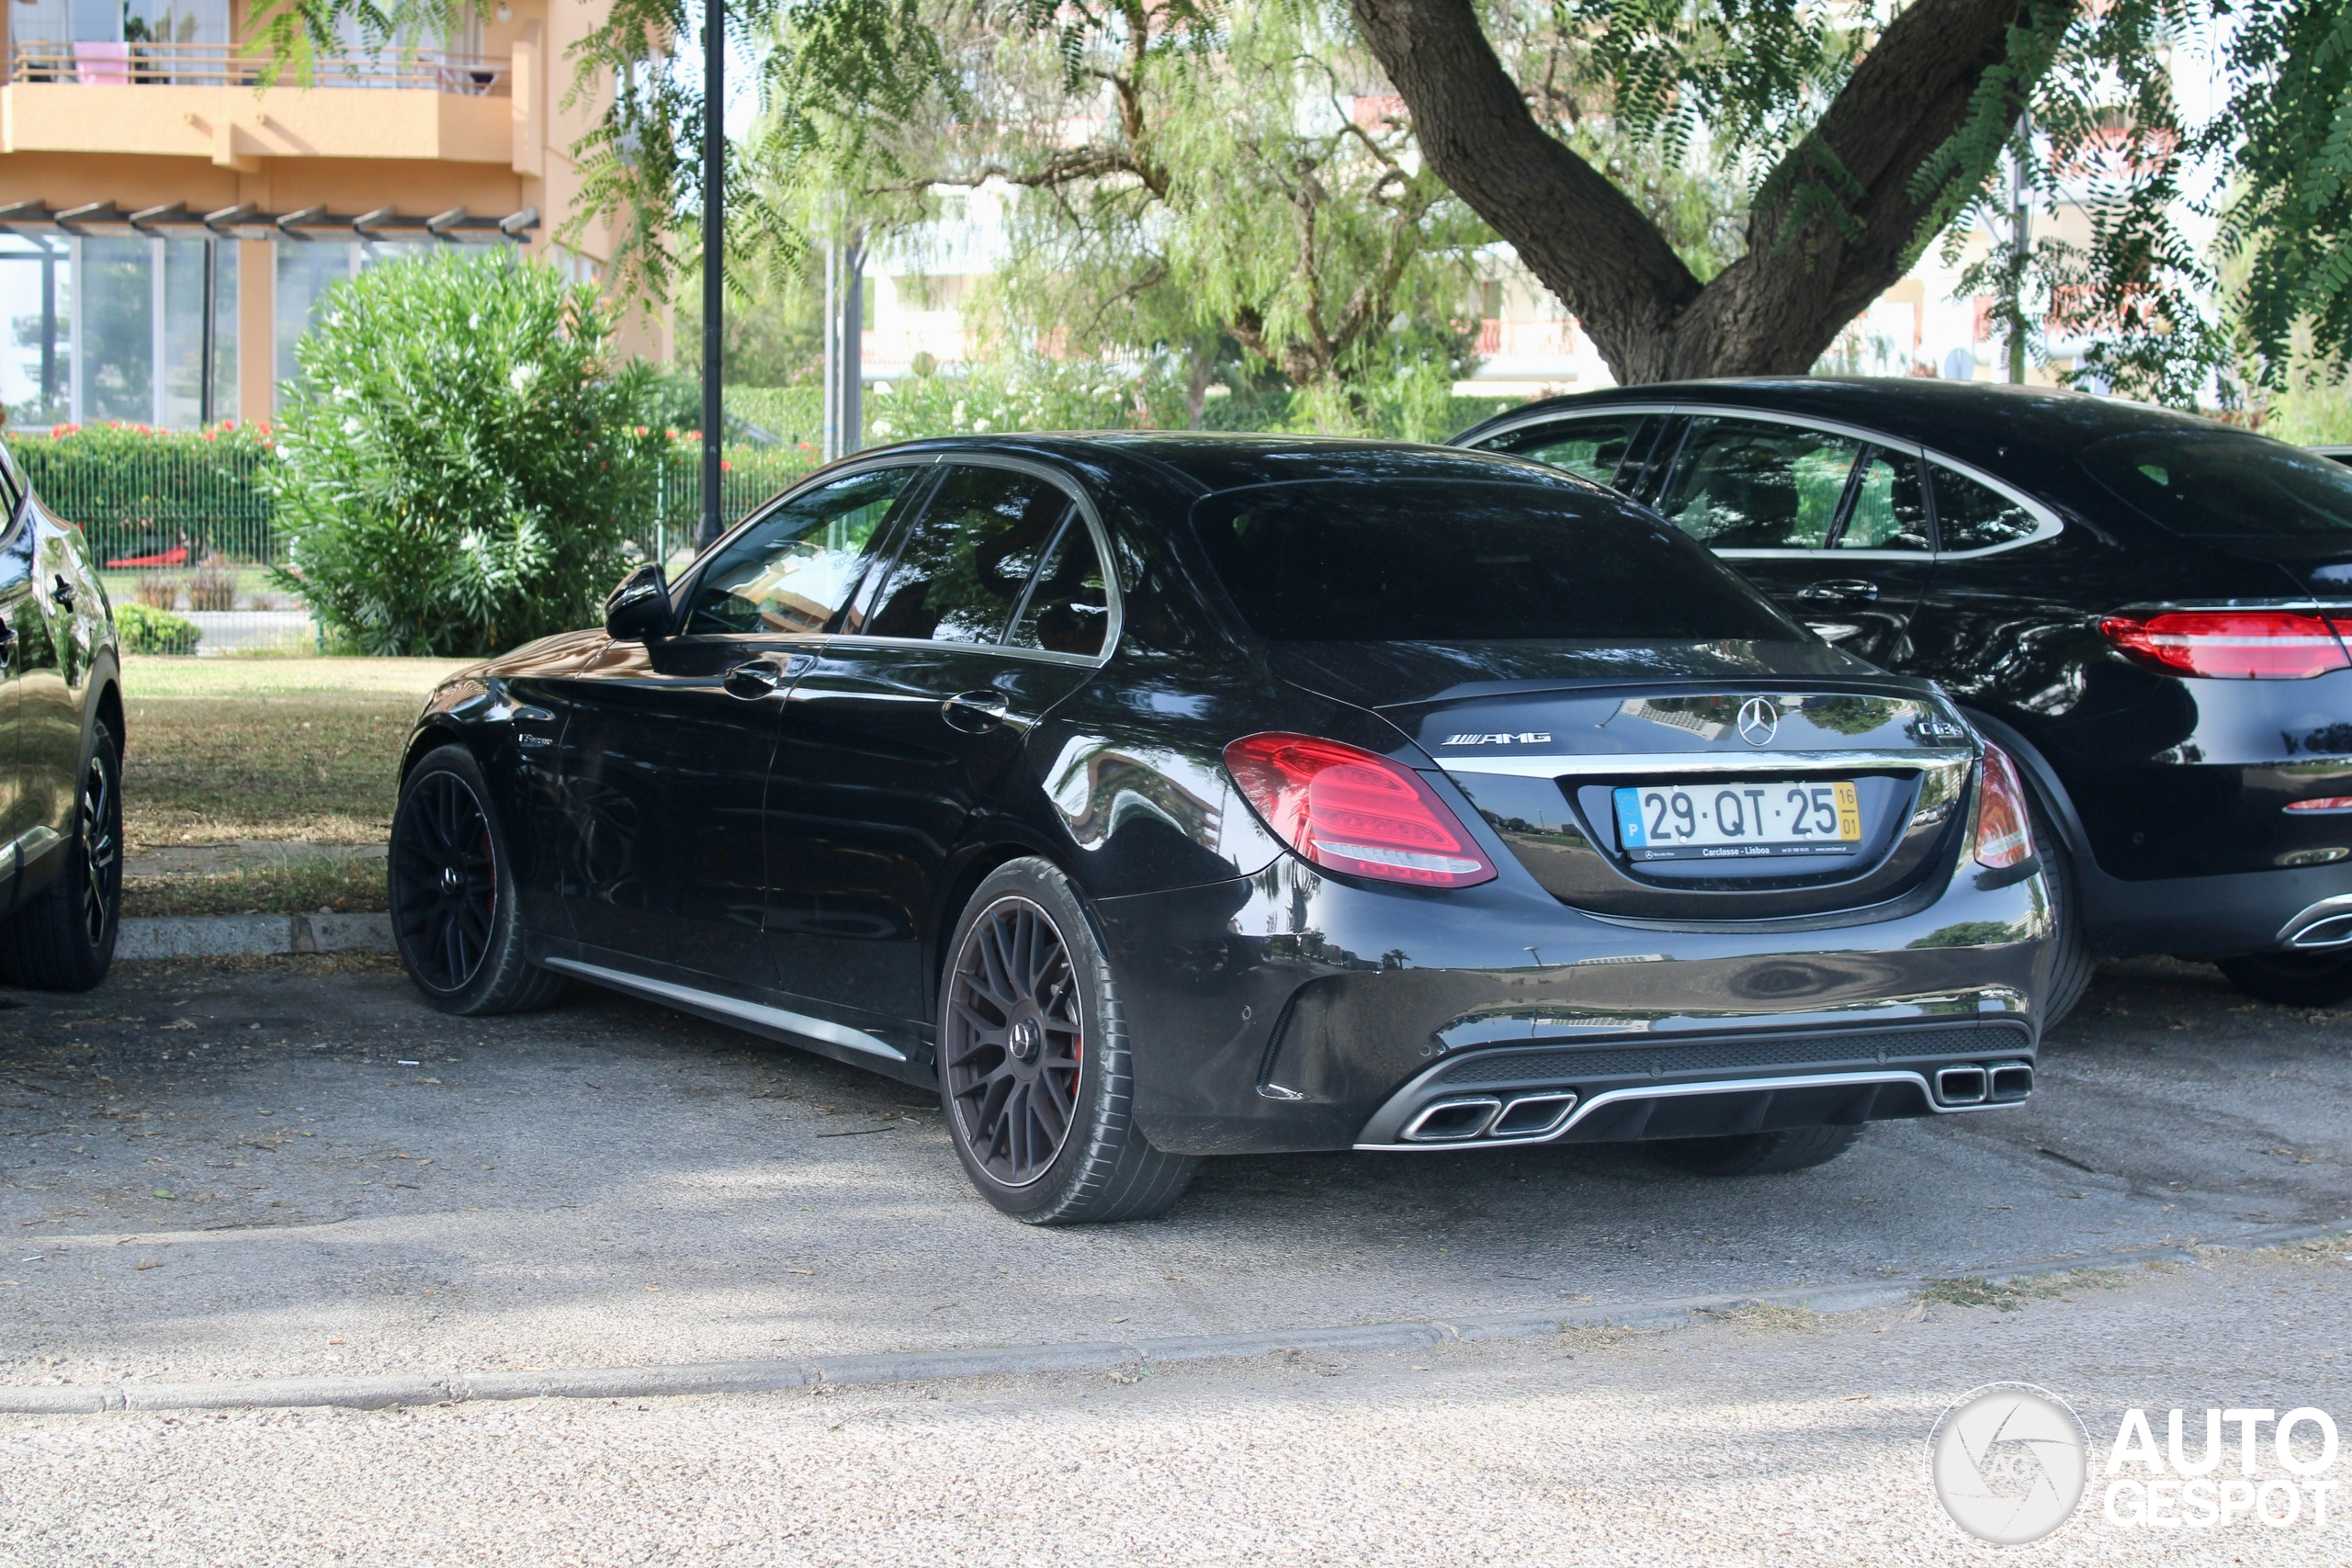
1595 448
1752 485
1068 606
1889 510
968 558
794 569
1973 516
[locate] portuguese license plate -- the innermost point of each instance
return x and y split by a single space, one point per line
1738 821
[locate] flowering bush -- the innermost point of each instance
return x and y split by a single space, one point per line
462 464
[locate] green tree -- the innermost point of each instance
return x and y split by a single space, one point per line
462 463
1179 178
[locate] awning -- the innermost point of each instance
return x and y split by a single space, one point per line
247 221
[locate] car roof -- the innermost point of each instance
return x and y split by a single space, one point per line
1988 422
1209 461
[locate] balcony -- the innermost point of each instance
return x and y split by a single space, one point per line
226 65
198 100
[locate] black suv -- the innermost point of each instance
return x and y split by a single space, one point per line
2147 609
61 752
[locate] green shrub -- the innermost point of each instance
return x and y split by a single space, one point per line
462 465
143 629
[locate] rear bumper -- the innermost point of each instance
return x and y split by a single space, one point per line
1293 1011
1726 1086
2212 917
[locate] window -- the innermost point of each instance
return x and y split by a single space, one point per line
1971 516
1589 448
1069 609
1744 484
970 555
2225 484
794 569
1442 560
1889 511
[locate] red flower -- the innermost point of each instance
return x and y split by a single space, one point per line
725 466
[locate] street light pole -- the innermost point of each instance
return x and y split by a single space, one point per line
713 250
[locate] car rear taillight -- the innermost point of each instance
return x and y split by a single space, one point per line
2325 803
1350 811
2240 645
2004 825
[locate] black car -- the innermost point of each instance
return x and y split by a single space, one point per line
1162 796
2143 608
61 752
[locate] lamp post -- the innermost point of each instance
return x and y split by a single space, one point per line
713 250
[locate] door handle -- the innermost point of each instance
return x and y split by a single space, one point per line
973 712
757 678
63 592
1844 591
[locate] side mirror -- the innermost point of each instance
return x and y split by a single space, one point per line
639 610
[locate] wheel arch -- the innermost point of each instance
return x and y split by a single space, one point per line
428 736
971 868
2043 780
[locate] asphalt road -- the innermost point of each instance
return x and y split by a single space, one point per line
289 1167
1763 1441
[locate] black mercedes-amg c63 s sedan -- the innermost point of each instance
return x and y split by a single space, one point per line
1156 797
2145 609
61 750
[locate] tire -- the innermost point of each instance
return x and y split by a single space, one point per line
452 887
1033 1068
1756 1154
64 940
2293 979
2070 968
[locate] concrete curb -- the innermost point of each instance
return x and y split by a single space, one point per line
383 1392
224 936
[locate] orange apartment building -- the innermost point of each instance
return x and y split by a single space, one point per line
167 228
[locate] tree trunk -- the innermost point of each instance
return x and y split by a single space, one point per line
1805 273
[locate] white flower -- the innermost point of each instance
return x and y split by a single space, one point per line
980 426
522 376
883 427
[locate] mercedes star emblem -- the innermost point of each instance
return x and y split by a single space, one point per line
1758 721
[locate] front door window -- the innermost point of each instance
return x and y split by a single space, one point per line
1741 484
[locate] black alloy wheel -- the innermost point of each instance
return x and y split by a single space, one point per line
1015 1044
101 826
1034 1071
2293 979
444 882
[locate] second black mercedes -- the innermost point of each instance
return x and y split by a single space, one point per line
1162 796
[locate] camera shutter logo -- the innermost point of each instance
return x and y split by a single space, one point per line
1758 721
2007 1462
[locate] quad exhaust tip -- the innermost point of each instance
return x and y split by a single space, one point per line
2003 1083
1463 1118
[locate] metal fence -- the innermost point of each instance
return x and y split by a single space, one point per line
181 524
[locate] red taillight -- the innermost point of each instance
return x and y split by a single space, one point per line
2325 803
1352 811
2240 645
2004 825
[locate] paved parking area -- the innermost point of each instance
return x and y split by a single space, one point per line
289 1167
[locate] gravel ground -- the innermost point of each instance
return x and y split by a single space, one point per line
1766 1438
289 1167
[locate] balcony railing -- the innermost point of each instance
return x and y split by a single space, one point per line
226 65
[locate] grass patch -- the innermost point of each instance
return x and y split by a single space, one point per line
2011 1295
267 747
298 887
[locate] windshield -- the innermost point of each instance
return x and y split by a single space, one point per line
1447 561
2223 484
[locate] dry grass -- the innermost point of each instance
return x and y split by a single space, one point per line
277 749
317 886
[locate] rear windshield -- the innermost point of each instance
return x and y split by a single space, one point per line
1444 562
2226 485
